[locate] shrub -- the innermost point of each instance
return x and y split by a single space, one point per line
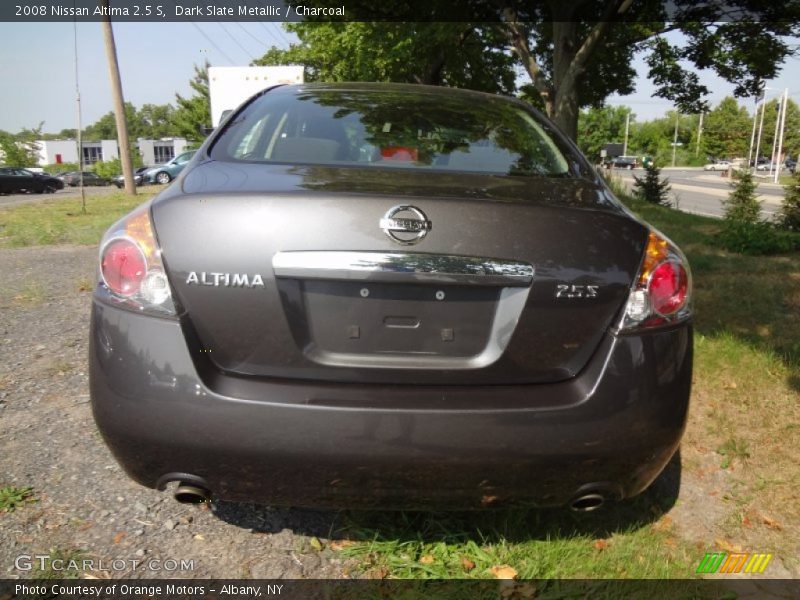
108 168
741 204
789 215
651 188
756 238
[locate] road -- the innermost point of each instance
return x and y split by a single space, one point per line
701 192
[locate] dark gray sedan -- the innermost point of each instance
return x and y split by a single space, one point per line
390 296
15 180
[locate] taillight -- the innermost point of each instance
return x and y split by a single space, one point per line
668 286
661 294
123 267
132 273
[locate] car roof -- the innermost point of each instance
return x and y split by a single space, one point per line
411 88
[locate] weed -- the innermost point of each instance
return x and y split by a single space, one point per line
733 449
12 498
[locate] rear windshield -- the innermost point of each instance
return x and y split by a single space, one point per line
394 129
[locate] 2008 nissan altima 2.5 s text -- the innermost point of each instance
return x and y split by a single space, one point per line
390 296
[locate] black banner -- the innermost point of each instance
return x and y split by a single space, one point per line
232 589
395 10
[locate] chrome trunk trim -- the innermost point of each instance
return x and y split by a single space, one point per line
402 266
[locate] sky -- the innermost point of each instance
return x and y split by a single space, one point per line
156 60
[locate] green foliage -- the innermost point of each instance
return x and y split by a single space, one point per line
12 498
651 188
108 168
111 168
791 140
435 53
756 238
741 205
599 126
152 121
61 168
194 113
726 130
789 215
20 150
743 231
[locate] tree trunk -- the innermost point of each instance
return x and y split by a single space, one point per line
565 105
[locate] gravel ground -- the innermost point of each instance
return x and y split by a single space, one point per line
85 502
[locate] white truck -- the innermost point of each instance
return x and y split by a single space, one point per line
228 87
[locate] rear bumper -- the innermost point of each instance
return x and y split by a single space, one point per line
166 416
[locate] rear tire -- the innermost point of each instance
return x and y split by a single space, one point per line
163 178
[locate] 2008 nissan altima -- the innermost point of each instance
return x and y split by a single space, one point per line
390 296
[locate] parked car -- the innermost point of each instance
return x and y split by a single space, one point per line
165 173
15 180
769 166
719 165
73 179
138 173
625 162
393 296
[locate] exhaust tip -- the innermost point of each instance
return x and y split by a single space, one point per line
588 502
187 493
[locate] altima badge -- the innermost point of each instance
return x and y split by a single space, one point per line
225 279
405 224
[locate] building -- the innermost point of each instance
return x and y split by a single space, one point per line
153 152
157 152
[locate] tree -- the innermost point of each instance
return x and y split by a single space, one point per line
454 54
726 131
741 205
155 121
575 53
791 139
20 150
105 128
599 126
651 188
193 114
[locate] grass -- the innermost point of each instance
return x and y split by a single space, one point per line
62 222
12 498
744 429
61 563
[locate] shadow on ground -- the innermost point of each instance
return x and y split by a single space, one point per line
512 525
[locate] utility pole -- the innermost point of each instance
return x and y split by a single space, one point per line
699 134
675 137
119 103
752 135
775 138
627 127
78 110
780 136
760 127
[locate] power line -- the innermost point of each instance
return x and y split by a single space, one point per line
279 29
210 41
235 41
258 41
